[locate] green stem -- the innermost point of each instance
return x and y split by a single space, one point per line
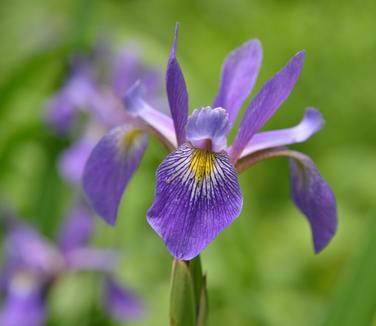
188 300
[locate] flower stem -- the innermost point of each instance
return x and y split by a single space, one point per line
188 300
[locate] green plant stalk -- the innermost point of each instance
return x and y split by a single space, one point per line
188 299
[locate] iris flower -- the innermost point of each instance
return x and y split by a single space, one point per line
197 189
32 265
90 93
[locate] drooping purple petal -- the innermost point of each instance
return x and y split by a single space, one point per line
314 197
239 73
208 125
110 167
177 92
60 113
77 228
24 304
91 259
311 123
75 95
25 248
121 303
73 160
159 122
266 102
197 196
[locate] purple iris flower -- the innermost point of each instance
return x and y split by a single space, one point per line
197 191
32 265
98 97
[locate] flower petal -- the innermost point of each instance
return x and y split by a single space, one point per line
110 167
77 228
120 303
197 196
75 95
127 69
314 197
24 304
25 248
91 259
266 102
160 123
211 125
73 160
311 123
239 73
177 92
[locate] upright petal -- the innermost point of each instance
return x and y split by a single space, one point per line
207 128
197 196
177 92
110 167
24 304
239 73
314 197
121 303
77 228
159 123
311 123
266 102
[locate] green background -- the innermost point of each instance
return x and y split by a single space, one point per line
261 270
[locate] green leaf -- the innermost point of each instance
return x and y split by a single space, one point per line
355 302
182 300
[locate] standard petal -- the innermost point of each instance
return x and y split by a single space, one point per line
239 73
311 123
77 228
266 102
314 197
110 167
121 303
197 196
177 92
160 124
207 128
73 160
24 304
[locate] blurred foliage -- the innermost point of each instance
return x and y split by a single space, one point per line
261 270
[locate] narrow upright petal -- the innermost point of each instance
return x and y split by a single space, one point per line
208 125
121 303
177 93
314 197
239 73
161 124
77 228
24 304
311 123
266 102
110 167
197 196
